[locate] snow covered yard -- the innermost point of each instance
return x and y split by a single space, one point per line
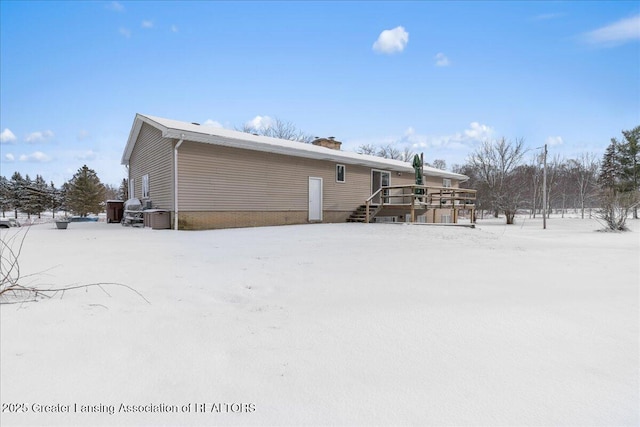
330 324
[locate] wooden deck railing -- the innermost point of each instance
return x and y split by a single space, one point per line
422 197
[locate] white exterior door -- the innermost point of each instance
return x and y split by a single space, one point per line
315 199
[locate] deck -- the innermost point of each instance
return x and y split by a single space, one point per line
419 200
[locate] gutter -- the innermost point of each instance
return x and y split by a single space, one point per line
175 182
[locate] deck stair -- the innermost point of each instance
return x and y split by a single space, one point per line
413 200
360 214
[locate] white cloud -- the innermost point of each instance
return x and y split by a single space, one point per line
86 155
452 147
212 123
260 122
125 32
478 132
7 136
35 137
147 24
35 157
391 41
614 34
115 6
442 60
475 133
9 157
409 132
554 140
174 28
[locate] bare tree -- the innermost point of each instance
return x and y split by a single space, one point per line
407 154
496 164
280 129
554 171
615 209
389 152
535 182
110 192
369 149
439 164
583 172
481 187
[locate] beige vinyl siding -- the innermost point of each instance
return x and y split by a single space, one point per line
436 181
153 156
406 178
216 178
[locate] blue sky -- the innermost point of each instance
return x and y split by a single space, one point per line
436 76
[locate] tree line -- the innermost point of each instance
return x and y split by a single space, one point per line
83 194
506 183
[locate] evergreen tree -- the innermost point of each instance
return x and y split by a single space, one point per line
5 195
85 193
17 192
29 201
55 199
123 191
63 197
619 176
630 164
609 177
38 195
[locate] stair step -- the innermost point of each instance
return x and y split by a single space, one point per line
360 214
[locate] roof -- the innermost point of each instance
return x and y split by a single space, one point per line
229 138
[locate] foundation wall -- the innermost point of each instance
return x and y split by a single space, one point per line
199 220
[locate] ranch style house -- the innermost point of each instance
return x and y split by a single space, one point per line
208 177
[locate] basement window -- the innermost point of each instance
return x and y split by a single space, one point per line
340 173
145 186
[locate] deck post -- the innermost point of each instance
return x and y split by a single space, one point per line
367 211
413 211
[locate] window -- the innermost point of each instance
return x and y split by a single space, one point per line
446 182
340 173
132 188
145 186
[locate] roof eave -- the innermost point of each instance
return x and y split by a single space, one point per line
258 143
325 154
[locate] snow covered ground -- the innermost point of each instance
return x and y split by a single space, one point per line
329 324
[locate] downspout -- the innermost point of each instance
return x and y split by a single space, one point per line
175 182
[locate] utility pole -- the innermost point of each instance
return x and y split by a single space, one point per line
544 189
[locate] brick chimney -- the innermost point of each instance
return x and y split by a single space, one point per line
329 142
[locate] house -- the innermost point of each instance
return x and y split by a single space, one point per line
209 177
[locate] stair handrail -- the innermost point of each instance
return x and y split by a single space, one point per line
432 195
375 194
